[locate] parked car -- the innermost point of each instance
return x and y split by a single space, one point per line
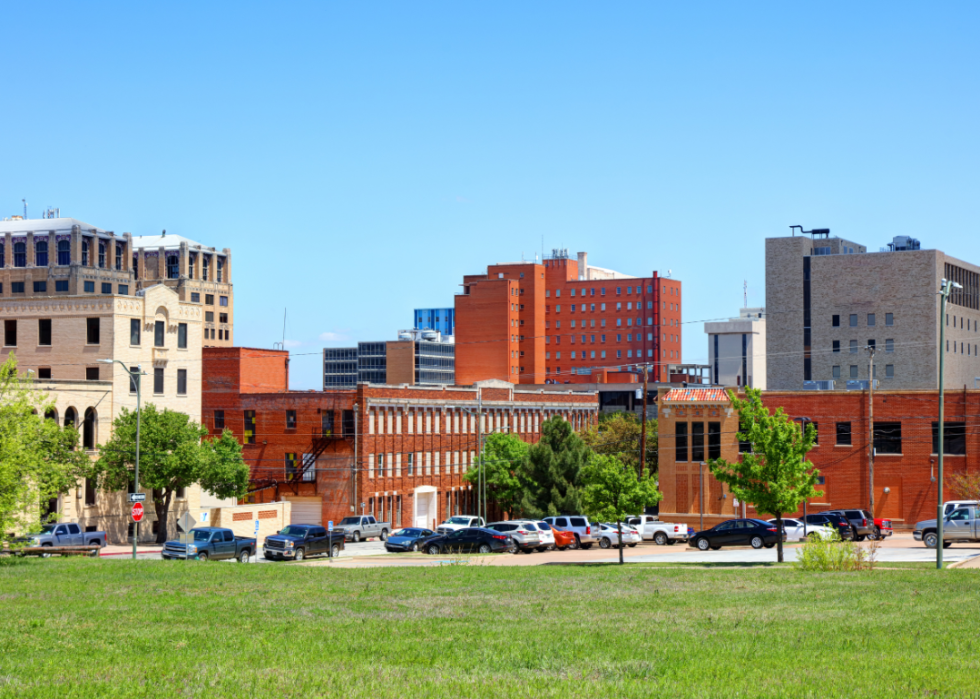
951 505
63 534
363 527
962 524
861 521
652 529
470 540
738 532
407 539
211 543
544 531
297 541
609 536
585 533
795 531
563 540
883 529
834 521
526 538
460 522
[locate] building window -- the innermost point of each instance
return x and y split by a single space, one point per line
871 344
219 420
854 371
124 289
134 331
206 267
91 373
714 438
134 379
102 254
17 287
182 382
221 269
697 441
889 345
158 333
680 439
119 256
173 266
64 253
843 434
836 346
191 262
40 287
889 371
954 438
93 336
158 380
888 437
250 427
182 336
208 316
44 373
209 299
10 333
222 317
44 332
854 346
195 297
85 244
290 419
89 287
889 319
871 320
223 300
106 287
61 285
3 260
836 372
20 254
854 320
40 253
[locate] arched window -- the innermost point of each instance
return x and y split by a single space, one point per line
40 253
221 267
205 267
119 255
20 254
88 429
102 254
64 252
71 418
136 265
173 266
85 252
51 414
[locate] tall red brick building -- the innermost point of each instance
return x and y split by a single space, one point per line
563 321
398 452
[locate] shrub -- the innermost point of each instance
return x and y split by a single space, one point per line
833 554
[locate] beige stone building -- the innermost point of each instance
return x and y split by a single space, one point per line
828 299
61 342
199 274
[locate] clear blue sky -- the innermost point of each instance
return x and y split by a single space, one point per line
361 158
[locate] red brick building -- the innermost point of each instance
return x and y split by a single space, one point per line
695 425
400 453
564 321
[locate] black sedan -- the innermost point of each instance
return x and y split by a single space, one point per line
407 539
737 532
470 540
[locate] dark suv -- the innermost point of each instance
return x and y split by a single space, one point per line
861 522
833 519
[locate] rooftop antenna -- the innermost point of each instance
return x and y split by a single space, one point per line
25 208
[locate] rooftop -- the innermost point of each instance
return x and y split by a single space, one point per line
167 241
43 225
697 395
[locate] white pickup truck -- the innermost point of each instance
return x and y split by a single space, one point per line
652 529
460 522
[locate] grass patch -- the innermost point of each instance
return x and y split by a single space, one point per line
83 628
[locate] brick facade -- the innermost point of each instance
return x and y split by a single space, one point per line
413 445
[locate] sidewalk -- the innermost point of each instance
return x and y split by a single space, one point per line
127 549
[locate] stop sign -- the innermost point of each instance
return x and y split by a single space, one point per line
137 512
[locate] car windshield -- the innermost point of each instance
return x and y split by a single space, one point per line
48 528
543 526
293 531
201 534
458 520
350 520
408 532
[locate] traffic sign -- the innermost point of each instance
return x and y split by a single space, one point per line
137 497
186 522
330 526
137 512
256 527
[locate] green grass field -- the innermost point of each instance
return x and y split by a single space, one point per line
85 628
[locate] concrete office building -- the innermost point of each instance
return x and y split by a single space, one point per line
441 319
827 299
417 357
737 349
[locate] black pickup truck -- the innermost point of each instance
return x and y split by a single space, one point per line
297 541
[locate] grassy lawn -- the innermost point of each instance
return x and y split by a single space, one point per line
81 628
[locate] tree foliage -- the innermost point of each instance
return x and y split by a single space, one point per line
505 463
775 477
38 460
619 434
172 456
554 467
966 485
612 490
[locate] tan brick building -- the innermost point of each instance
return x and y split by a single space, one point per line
199 274
828 298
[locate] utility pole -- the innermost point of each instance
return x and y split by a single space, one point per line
482 474
643 428
945 288
871 428
353 467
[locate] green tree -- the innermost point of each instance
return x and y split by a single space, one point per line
172 456
38 460
619 434
612 490
775 477
505 461
554 466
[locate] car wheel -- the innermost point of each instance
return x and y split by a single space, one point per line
300 555
45 555
702 544
202 556
604 543
577 544
631 545
433 550
757 542
384 534
95 542
335 551
356 537
769 546
484 548
930 539
947 544
859 537
414 547
716 548
875 534
586 546
671 542
244 556
541 549
660 539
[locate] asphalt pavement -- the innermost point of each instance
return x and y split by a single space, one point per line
373 547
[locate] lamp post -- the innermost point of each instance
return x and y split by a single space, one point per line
945 288
134 376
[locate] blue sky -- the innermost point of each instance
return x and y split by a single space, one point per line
361 158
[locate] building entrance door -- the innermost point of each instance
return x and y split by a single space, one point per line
425 507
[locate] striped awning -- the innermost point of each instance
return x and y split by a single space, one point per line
697 395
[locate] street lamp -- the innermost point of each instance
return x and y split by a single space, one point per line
945 288
133 377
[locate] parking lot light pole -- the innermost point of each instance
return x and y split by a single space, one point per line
944 290
134 377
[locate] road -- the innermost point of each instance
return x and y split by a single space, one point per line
373 547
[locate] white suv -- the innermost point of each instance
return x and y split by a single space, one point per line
585 533
544 531
525 538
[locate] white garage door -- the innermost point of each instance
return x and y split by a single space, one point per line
422 510
306 510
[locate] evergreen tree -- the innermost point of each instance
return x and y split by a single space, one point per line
554 467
